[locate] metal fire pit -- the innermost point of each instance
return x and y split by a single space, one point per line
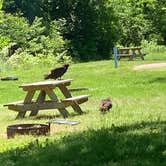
27 129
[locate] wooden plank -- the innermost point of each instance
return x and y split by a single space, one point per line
63 112
65 91
20 115
123 49
14 103
77 89
78 101
29 96
45 84
76 107
28 99
125 55
41 106
67 94
76 98
51 94
21 108
40 99
16 107
21 112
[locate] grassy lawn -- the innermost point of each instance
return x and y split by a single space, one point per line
133 133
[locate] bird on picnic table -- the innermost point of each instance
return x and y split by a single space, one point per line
106 105
57 72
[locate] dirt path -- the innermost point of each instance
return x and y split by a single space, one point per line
150 66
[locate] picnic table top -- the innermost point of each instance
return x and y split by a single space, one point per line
130 48
123 48
46 83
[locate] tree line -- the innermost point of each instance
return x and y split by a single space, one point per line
87 29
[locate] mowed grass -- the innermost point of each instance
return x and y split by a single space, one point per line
133 133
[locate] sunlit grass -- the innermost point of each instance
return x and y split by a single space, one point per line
138 114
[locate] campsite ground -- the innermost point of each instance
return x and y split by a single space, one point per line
132 133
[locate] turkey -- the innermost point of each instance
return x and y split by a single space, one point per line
57 72
106 105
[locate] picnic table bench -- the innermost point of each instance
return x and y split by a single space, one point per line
131 53
41 103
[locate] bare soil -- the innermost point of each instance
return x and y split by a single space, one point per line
150 66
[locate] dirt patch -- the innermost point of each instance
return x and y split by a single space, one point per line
150 66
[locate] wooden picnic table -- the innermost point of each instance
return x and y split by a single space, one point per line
40 103
130 52
136 51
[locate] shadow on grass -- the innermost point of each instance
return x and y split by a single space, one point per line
159 79
142 144
44 116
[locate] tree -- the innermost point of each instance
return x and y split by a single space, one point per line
89 25
156 12
32 38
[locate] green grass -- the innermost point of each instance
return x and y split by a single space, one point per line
133 133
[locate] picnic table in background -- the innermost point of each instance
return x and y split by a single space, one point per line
41 103
130 53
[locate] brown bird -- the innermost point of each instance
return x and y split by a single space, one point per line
57 72
105 105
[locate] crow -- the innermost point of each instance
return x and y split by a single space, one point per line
57 72
105 105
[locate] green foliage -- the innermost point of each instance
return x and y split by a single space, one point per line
15 28
1 3
25 60
33 39
92 27
132 24
30 9
153 47
4 41
155 11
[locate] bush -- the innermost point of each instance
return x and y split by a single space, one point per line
152 47
33 40
25 60
4 41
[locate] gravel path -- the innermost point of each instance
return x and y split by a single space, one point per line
150 66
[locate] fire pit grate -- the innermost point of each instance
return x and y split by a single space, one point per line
27 129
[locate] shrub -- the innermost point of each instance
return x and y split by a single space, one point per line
33 40
4 41
152 47
25 60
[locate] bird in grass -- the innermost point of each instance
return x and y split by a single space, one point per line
57 72
106 105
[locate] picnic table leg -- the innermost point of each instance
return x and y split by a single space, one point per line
27 99
133 55
142 56
51 94
29 96
21 114
39 100
67 94
53 97
64 112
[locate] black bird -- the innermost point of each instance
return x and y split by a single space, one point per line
106 104
57 72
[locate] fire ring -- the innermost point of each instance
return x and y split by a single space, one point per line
27 129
